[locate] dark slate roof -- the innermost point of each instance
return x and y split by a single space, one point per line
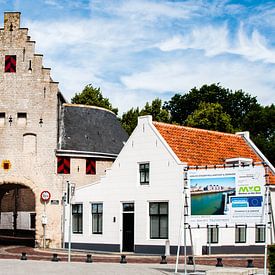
91 129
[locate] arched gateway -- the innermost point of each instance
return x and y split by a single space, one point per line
17 214
45 142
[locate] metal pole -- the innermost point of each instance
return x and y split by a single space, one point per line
63 221
180 237
192 248
44 227
70 232
266 225
184 228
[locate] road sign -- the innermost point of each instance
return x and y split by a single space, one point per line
45 196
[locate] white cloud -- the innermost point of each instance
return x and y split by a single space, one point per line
137 50
182 75
215 41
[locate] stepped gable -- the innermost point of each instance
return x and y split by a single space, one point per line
91 129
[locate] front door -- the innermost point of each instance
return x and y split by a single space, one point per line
128 227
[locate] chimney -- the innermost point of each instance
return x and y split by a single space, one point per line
11 21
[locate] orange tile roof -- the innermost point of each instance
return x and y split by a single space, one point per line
203 147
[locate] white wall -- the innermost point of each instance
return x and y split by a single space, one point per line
121 184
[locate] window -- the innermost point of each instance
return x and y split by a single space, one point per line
90 166
240 234
128 207
212 234
2 118
77 218
21 119
97 212
144 173
32 220
260 234
158 212
29 143
10 64
63 165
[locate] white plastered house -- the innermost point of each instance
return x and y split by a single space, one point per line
137 206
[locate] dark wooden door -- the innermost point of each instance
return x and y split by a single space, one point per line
128 232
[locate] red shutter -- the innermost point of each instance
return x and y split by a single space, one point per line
10 63
63 165
90 166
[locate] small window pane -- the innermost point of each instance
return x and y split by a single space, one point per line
260 234
164 227
163 208
154 227
153 208
128 207
144 173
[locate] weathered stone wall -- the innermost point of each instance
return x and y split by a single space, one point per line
28 145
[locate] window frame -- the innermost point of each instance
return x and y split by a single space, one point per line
160 218
144 173
258 233
66 170
6 63
79 218
213 233
88 163
238 234
97 215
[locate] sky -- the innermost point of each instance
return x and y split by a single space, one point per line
138 50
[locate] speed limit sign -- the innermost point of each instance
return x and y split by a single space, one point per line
45 196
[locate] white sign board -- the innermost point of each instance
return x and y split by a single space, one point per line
226 195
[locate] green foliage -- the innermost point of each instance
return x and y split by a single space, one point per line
210 116
156 110
130 118
236 104
261 125
93 96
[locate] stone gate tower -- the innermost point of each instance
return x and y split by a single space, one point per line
44 141
29 109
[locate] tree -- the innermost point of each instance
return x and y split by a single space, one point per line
210 116
156 111
130 118
236 104
261 125
93 96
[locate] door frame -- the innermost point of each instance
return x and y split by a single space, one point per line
123 212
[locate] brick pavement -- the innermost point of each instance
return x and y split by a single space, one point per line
14 252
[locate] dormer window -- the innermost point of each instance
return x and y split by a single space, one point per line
239 161
10 64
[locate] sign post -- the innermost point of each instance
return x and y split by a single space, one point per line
70 195
45 197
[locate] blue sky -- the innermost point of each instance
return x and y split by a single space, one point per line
137 50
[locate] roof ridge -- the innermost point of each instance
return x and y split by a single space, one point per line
87 106
196 129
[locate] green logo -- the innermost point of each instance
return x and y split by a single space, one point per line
250 189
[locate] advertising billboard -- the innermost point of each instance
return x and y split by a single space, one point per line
226 195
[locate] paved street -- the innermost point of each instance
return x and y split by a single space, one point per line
29 267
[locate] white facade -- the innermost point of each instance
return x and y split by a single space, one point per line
166 184
121 184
